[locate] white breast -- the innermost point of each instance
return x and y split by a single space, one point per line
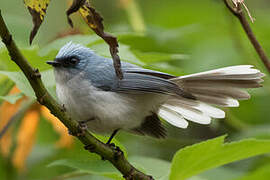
111 110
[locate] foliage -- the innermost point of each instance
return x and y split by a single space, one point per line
37 9
209 154
178 38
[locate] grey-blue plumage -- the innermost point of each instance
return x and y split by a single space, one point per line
88 87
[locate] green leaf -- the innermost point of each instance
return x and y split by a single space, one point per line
90 165
198 158
260 173
158 168
20 80
31 54
222 172
154 57
57 44
49 82
5 85
12 98
124 52
258 132
1 45
93 42
22 83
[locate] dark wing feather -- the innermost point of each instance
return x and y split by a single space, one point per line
151 126
139 79
147 83
149 72
135 80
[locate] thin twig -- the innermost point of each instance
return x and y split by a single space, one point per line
44 98
238 12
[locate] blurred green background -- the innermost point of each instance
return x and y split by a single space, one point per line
174 36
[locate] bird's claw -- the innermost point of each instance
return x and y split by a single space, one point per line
83 125
63 109
112 145
117 151
82 128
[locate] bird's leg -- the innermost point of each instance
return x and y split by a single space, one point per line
111 137
117 150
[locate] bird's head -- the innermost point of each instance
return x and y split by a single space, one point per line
72 56
71 60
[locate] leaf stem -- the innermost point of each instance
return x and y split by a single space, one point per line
238 12
134 15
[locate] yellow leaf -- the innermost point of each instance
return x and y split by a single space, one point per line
76 4
37 9
94 21
26 137
7 110
65 139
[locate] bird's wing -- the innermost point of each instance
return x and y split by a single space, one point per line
139 70
135 80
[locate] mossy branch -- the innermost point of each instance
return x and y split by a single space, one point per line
44 98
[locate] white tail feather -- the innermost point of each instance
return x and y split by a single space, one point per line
231 70
190 114
221 87
172 117
211 111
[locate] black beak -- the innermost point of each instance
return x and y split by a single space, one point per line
53 63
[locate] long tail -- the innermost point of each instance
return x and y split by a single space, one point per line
219 87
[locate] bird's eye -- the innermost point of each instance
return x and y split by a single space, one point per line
73 61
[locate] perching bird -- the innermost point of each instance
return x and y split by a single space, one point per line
92 94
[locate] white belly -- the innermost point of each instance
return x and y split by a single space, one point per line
110 110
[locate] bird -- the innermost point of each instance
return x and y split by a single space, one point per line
140 102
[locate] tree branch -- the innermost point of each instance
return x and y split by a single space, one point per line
44 98
238 12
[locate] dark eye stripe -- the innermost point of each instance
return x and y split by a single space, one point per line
74 61
68 61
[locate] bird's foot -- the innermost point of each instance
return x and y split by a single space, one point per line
82 128
116 150
117 153
83 125
63 109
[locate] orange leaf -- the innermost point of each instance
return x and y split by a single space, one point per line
7 110
65 139
26 137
